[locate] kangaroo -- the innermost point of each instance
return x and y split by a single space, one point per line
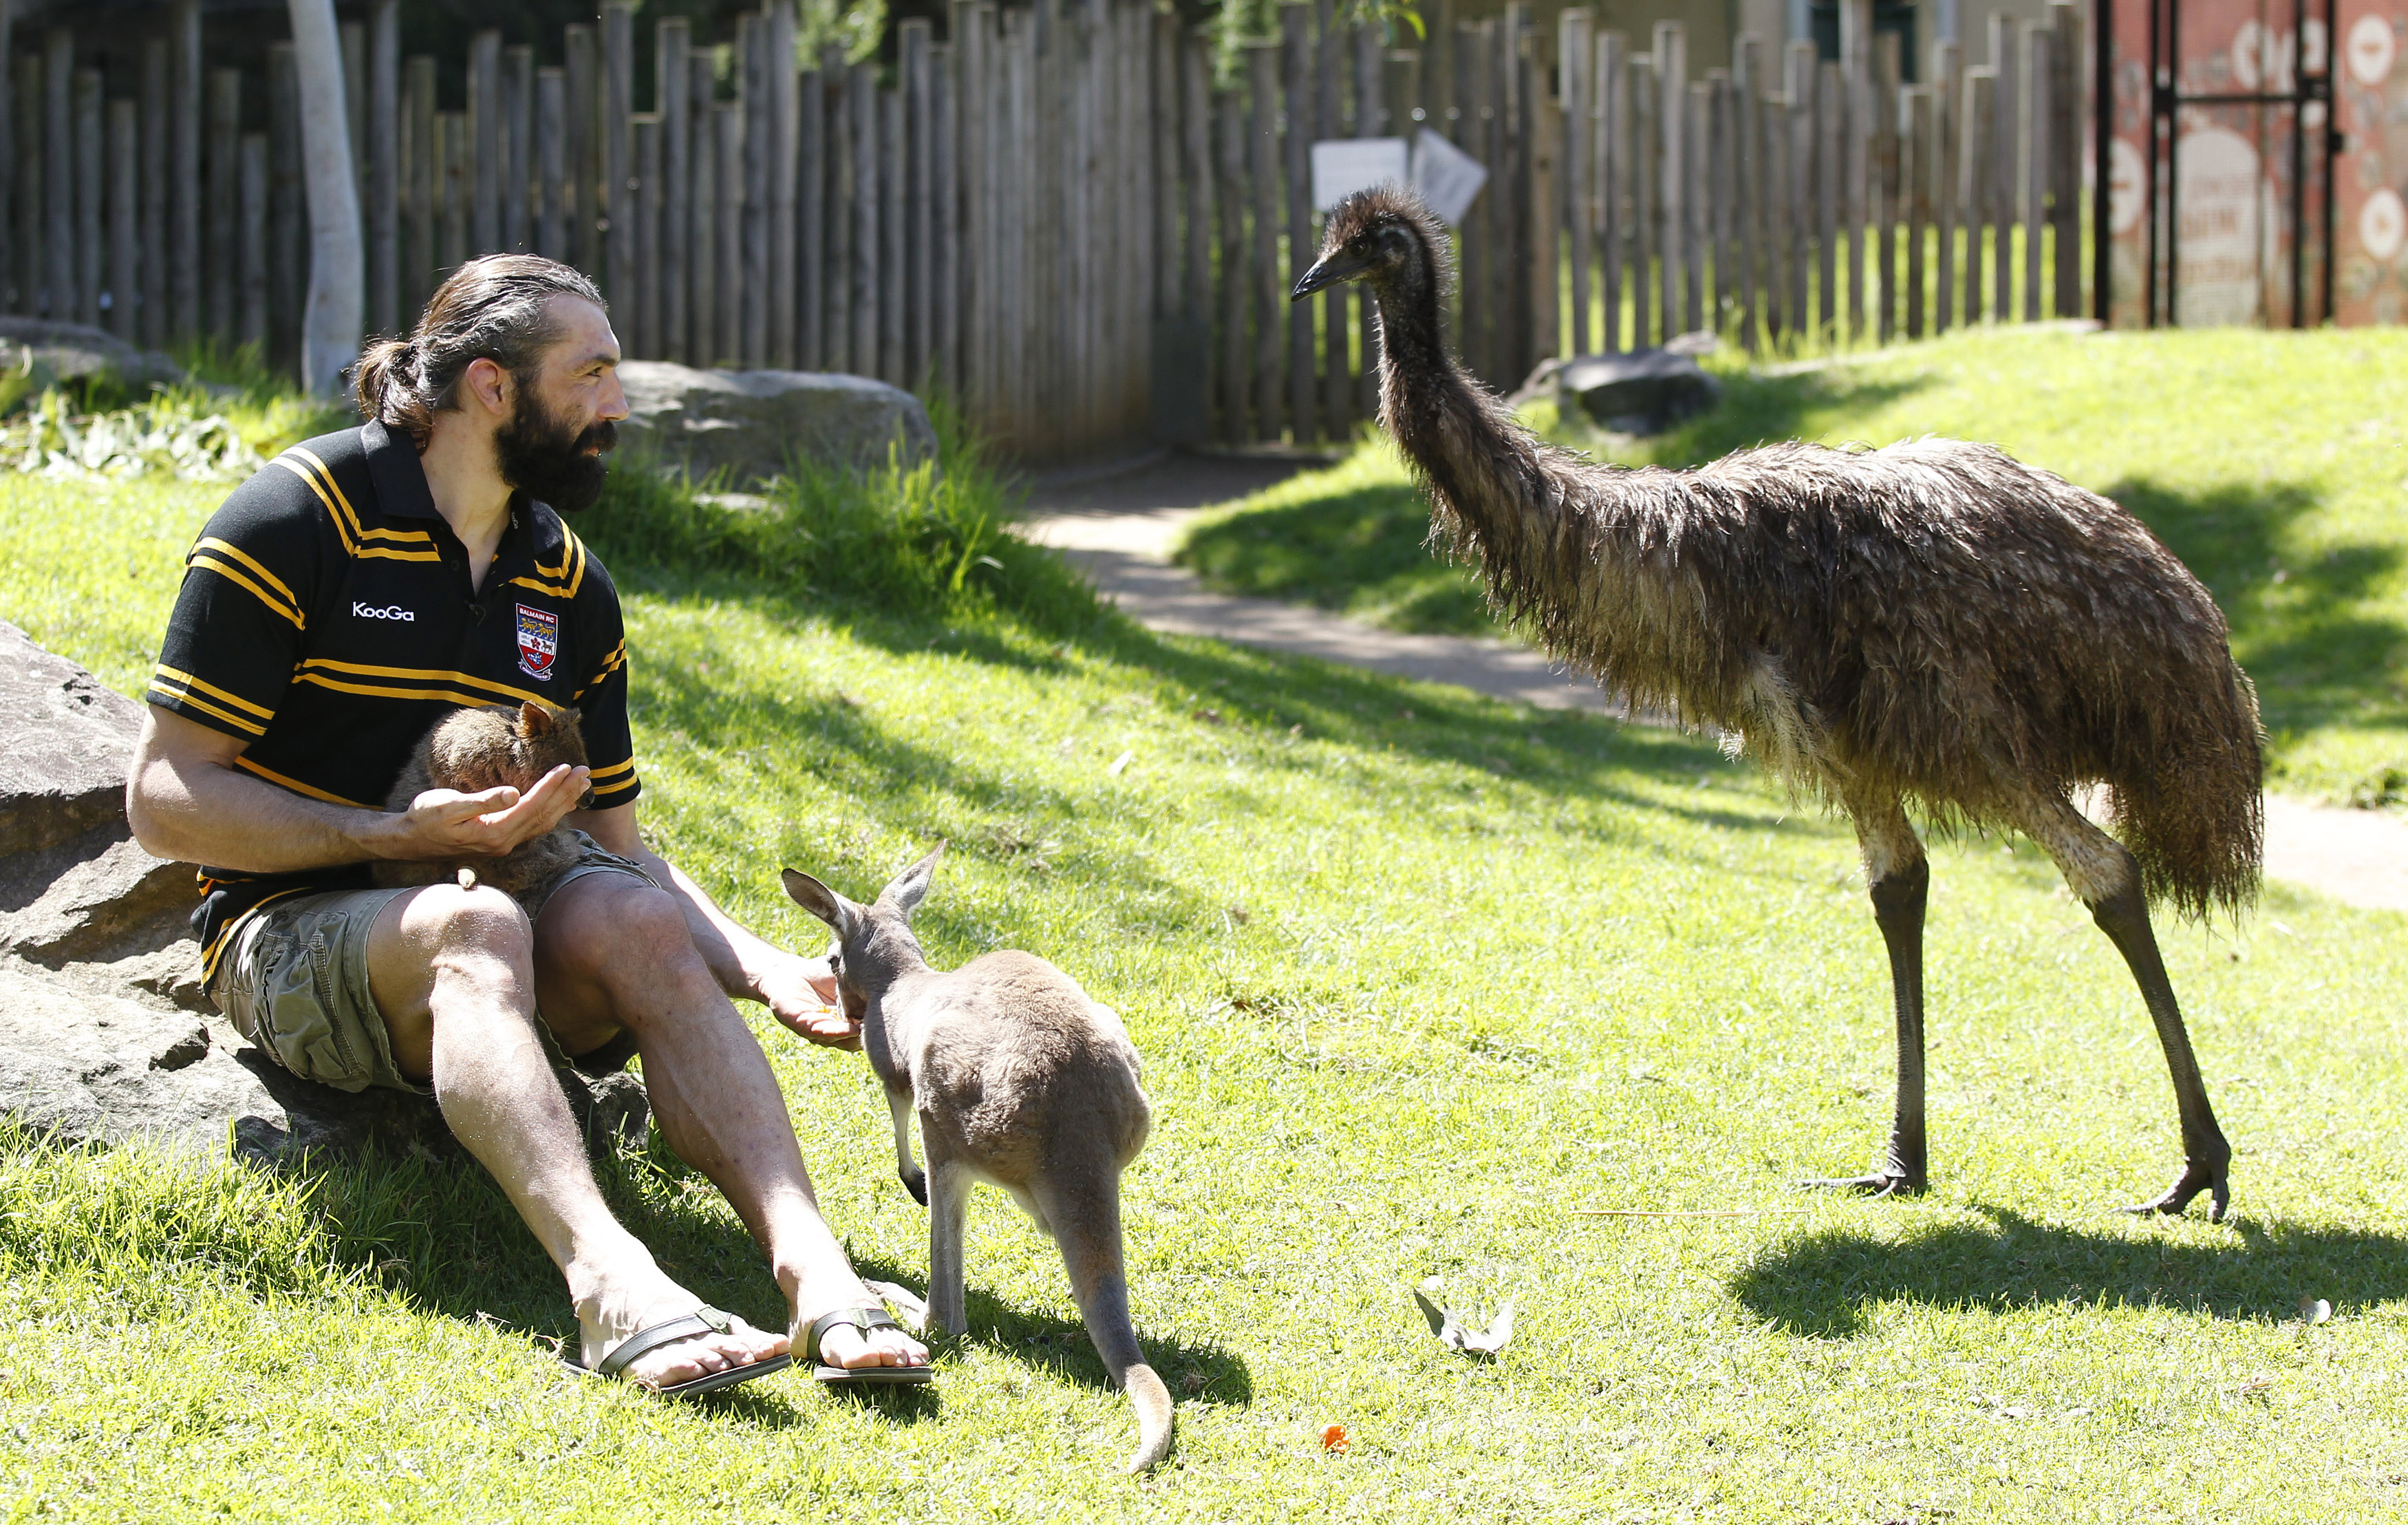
1020 1080
477 749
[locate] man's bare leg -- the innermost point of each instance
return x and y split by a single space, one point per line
452 973
613 952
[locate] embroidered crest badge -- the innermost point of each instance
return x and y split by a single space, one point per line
538 641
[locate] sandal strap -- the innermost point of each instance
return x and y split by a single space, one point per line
701 1322
863 1319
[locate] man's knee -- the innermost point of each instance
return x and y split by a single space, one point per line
471 923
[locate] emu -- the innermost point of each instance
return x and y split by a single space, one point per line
1929 624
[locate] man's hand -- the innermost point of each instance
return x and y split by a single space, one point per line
447 824
800 993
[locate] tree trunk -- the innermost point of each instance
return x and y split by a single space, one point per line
330 331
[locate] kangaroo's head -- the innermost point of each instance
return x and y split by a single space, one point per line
873 942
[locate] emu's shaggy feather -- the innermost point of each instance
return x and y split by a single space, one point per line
1930 621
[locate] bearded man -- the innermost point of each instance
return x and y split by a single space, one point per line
356 590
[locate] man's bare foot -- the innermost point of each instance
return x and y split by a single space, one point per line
615 1306
848 1347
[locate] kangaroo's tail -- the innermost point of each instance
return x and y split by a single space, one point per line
1085 1218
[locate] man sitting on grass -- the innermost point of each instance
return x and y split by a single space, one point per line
352 593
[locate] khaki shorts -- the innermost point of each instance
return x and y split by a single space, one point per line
296 981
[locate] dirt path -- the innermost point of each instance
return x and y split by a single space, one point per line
1120 528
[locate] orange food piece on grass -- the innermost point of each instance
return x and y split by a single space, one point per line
1333 1437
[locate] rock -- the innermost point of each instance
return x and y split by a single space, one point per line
65 741
106 1033
43 355
1645 392
749 421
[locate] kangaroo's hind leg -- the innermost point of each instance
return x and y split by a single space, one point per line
949 1203
2102 875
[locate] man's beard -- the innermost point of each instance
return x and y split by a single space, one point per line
548 460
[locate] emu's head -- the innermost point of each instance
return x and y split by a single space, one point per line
1385 235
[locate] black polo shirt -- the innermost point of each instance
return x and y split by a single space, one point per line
326 619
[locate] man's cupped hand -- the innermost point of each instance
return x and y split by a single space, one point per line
445 823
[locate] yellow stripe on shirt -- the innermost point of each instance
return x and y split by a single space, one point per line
182 699
207 561
326 474
295 784
190 682
320 665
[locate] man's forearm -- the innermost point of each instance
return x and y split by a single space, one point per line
201 813
736 957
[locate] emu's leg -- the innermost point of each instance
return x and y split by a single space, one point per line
1899 879
2101 874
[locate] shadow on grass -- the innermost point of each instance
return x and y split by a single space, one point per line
1764 409
1326 550
1822 1283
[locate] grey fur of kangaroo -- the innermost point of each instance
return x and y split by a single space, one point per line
1020 1080
486 748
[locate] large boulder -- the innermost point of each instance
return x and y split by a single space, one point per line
43 355
752 423
106 1033
1644 392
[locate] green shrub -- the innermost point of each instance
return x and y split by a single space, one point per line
925 539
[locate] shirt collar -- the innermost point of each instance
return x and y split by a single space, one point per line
401 490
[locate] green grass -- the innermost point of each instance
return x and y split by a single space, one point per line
2272 464
1416 977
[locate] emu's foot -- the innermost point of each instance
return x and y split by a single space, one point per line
1888 1181
2198 1175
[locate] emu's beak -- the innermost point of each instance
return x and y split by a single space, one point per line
1333 269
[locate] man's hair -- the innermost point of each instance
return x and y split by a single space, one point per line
498 309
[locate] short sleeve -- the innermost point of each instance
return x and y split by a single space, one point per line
235 634
601 697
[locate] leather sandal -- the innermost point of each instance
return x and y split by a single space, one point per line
863 1319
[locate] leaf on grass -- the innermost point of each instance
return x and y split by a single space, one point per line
1454 1333
1120 764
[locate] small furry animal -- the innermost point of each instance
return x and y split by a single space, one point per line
1019 1080
486 748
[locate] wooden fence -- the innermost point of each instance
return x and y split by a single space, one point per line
1063 216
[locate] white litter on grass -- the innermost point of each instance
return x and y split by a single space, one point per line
1454 1333
1120 764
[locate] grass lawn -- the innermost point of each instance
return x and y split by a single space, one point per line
1419 980
2275 464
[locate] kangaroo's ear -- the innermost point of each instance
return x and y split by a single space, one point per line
824 902
911 887
534 720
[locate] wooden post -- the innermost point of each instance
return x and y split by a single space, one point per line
451 153
124 185
1646 177
1856 133
1547 140
1375 116
225 204
1886 182
1946 179
1973 190
1295 144
810 218
753 107
157 327
1830 204
1575 64
1196 171
1722 180
727 129
2034 71
518 148
1915 176
861 111
352 42
1338 387
485 136
425 186
645 146
384 152
288 208
12 290
1698 200
58 175
92 255
1805 78
1999 169
672 71
1672 91
32 206
836 78
552 212
1612 157
2065 156
783 106
1237 282
188 264
1262 169
916 40
613 215
894 285
1747 180
702 190
581 189
251 241
946 266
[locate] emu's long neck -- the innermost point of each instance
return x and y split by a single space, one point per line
1488 490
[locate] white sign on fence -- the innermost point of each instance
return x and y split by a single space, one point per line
1446 176
1343 166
